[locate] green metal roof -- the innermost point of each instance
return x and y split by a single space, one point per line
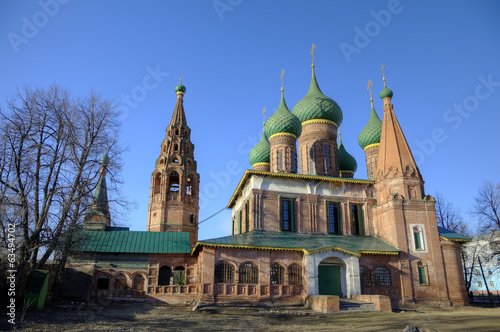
452 236
135 242
315 105
371 132
283 121
354 245
346 161
261 153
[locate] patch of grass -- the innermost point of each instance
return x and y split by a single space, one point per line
146 317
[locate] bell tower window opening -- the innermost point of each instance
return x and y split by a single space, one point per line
174 182
157 183
177 132
176 147
189 189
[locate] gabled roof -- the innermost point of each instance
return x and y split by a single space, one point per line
452 236
308 243
136 242
248 173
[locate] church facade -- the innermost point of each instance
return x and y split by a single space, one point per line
302 224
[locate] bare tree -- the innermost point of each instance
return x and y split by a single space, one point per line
449 217
50 144
487 206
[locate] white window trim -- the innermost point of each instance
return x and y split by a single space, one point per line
423 238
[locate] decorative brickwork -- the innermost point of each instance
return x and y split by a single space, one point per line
173 203
318 151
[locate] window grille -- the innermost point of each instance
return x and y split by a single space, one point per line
381 276
357 222
334 218
295 275
365 276
224 273
277 274
249 274
287 214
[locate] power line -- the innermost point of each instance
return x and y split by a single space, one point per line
213 215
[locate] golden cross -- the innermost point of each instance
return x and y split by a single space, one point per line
369 87
181 77
282 73
312 53
383 75
264 113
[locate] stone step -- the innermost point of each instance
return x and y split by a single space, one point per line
354 306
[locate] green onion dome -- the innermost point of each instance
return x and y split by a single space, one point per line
385 93
315 105
105 159
261 153
371 132
283 121
346 161
180 89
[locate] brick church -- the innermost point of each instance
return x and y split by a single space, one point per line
302 224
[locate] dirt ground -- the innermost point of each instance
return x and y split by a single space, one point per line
119 316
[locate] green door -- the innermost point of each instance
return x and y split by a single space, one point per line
329 280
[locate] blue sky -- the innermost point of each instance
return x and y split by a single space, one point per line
442 63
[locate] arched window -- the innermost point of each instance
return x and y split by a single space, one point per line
173 182
121 282
249 274
176 147
381 276
422 273
281 162
277 274
365 276
157 183
177 131
224 273
164 276
179 275
326 159
418 238
310 153
295 274
138 283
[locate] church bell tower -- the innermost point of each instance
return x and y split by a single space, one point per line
173 201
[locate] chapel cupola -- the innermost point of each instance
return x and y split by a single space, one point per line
260 155
347 163
369 138
173 202
320 117
282 129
